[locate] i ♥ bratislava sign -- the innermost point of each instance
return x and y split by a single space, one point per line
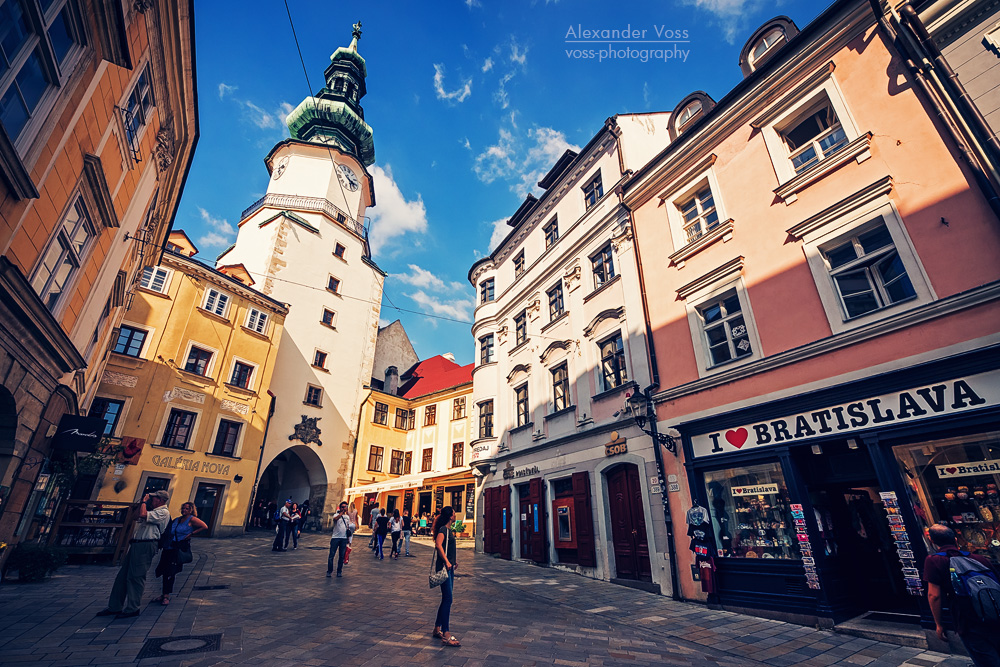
974 392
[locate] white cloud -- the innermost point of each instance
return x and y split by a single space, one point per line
473 3
458 95
259 117
255 114
733 16
487 65
501 97
465 143
522 165
424 279
393 216
518 54
499 233
219 233
458 309
226 89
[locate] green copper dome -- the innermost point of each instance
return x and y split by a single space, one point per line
329 121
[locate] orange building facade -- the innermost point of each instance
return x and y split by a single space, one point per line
824 326
99 127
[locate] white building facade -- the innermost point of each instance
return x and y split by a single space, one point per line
567 478
305 243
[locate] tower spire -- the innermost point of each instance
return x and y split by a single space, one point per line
356 34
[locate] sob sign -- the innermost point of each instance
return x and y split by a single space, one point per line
616 446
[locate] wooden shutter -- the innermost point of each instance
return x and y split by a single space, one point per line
585 543
539 543
506 526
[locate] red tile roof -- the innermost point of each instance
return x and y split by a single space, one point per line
432 375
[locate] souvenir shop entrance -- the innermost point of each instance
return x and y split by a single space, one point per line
856 555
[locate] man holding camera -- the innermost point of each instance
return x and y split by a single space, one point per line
343 528
126 594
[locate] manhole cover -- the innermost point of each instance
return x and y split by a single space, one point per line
166 646
217 587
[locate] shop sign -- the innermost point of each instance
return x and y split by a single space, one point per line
759 490
181 463
616 445
967 469
937 400
483 450
79 434
510 473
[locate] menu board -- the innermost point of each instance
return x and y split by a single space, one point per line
408 500
470 501
438 498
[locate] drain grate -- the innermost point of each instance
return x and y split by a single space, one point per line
161 647
217 587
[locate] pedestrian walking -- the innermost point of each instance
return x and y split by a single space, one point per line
177 549
407 530
305 511
352 515
373 524
381 530
284 525
444 543
396 532
343 529
272 510
952 574
293 526
126 593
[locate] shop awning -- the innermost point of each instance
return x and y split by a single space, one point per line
78 434
397 484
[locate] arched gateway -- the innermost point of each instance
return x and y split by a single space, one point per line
296 473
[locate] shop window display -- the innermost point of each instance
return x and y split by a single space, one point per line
955 482
751 516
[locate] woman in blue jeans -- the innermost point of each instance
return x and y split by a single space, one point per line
444 542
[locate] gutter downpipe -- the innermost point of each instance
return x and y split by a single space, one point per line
982 179
260 459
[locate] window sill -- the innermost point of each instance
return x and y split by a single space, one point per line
517 348
152 292
340 257
126 360
723 231
217 318
312 405
320 368
602 288
335 293
614 391
196 379
328 326
236 389
173 449
859 149
228 457
556 321
256 334
520 429
560 413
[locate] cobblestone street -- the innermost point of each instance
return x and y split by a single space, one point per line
252 606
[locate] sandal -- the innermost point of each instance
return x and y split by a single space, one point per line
438 634
450 640
165 600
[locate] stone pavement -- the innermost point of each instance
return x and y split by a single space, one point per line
243 604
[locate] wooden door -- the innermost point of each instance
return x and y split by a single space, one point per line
628 524
586 552
208 502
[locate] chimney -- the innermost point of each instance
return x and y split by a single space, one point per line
449 356
391 380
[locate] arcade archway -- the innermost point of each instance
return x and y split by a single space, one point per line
296 473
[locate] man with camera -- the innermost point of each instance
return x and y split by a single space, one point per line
343 528
126 594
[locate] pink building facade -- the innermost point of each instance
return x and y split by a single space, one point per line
824 328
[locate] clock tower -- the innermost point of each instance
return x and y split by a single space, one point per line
305 242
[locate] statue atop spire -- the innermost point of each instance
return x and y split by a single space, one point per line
356 34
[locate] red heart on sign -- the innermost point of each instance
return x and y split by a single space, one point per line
737 438
951 471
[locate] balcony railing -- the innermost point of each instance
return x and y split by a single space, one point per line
297 203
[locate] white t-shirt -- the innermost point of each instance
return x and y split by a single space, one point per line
152 526
395 525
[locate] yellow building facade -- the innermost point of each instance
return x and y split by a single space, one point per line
413 445
186 387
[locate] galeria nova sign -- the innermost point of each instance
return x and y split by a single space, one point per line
959 395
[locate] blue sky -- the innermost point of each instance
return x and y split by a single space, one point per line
470 105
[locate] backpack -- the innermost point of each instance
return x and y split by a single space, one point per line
277 514
978 583
166 538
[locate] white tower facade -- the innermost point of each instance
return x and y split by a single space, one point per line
305 243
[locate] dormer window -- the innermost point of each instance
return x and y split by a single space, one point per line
766 47
688 114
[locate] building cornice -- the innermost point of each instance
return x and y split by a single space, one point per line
189 266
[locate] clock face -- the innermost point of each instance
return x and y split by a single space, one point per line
280 168
347 177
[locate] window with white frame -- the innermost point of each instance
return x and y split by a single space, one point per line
691 111
519 264
613 370
521 401
766 47
257 321
319 359
812 136
556 305
63 261
227 438
339 250
486 290
725 329
314 396
216 302
520 327
333 284
199 360
486 419
329 318
130 341
37 38
179 429
242 374
155 279
108 409
603 265
551 231
560 387
486 349
698 213
867 271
